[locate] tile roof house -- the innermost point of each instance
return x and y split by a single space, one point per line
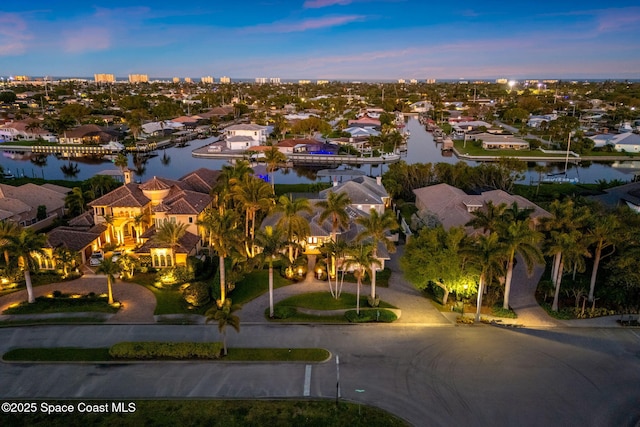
627 195
22 130
133 211
20 204
90 134
452 207
365 193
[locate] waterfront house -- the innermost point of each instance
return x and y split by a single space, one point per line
244 136
499 142
627 142
622 195
90 134
25 130
452 207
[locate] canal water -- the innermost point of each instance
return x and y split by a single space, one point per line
175 162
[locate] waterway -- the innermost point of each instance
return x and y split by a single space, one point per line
175 162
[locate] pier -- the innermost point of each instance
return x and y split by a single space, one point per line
60 149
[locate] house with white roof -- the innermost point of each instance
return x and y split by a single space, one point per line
244 136
627 142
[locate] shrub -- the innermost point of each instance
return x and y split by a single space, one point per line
373 302
197 293
498 311
166 350
367 316
280 312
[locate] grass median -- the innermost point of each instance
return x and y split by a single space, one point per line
77 354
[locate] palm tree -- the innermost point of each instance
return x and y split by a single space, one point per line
273 157
128 264
334 207
225 317
23 245
76 201
109 269
564 246
230 175
272 241
360 257
121 161
604 233
253 195
170 233
109 220
66 258
296 225
335 251
376 227
488 218
138 221
488 254
519 237
8 229
565 218
224 236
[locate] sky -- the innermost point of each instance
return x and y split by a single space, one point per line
322 39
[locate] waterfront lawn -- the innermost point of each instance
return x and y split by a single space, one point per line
471 150
231 413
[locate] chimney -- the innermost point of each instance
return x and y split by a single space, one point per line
379 180
127 175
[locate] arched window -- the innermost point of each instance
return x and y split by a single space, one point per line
155 261
169 260
163 260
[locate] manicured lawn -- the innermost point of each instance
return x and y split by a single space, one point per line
472 150
228 413
324 301
255 284
64 304
76 354
382 278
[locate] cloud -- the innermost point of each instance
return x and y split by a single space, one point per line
86 39
610 20
316 4
13 34
304 25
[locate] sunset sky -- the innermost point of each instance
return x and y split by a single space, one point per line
322 39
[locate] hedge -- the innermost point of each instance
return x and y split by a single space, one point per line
371 315
166 350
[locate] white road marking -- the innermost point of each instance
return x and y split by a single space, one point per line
307 380
636 334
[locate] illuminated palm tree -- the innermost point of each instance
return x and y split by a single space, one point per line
253 195
488 254
376 227
360 257
334 207
170 233
604 233
8 229
272 241
109 269
23 246
224 236
296 226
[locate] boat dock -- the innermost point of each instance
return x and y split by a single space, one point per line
60 149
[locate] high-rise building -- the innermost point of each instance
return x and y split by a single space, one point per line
322 82
431 81
21 78
188 80
138 78
225 79
502 81
176 79
104 78
261 80
413 81
401 81
304 82
207 80
274 80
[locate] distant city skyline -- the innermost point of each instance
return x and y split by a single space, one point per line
323 39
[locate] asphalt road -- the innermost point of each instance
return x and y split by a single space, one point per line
431 376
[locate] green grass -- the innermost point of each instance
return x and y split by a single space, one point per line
382 278
76 354
255 284
371 315
228 413
498 311
324 301
471 150
63 304
277 354
56 321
